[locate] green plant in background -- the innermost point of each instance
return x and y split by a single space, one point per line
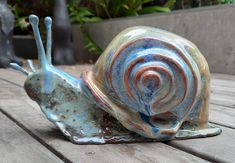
226 1
96 10
185 4
121 8
22 9
91 11
20 21
83 15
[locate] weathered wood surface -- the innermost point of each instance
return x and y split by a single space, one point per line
223 90
29 116
18 146
216 149
16 105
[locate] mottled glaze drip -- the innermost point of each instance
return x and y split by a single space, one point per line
152 82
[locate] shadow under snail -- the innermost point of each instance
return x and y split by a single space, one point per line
148 85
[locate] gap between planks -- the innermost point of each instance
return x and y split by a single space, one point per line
18 146
58 154
126 147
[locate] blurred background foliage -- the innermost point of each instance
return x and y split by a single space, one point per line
89 11
86 11
22 9
95 10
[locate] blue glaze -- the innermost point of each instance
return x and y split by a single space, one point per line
33 19
148 54
31 65
48 22
148 81
147 119
18 68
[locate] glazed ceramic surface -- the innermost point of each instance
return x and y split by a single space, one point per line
148 85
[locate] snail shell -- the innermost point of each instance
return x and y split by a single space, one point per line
151 81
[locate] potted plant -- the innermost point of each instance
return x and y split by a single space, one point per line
96 22
95 11
23 39
210 28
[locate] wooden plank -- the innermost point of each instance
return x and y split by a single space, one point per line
223 100
220 148
223 90
29 116
217 149
222 115
223 82
223 76
12 75
18 146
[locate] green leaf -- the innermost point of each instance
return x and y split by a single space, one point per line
152 9
92 20
146 1
170 4
90 44
23 24
125 6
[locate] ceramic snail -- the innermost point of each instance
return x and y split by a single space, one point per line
148 82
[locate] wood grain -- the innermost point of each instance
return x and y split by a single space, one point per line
221 115
18 146
28 115
216 149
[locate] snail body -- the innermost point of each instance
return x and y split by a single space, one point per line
148 81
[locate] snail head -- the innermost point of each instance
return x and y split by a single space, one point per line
39 80
45 83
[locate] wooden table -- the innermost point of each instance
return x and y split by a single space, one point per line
27 136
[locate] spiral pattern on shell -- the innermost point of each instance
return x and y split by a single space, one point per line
151 76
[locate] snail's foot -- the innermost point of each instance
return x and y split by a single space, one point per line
107 130
189 131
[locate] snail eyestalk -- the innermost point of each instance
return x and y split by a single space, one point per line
33 19
48 22
19 68
31 65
